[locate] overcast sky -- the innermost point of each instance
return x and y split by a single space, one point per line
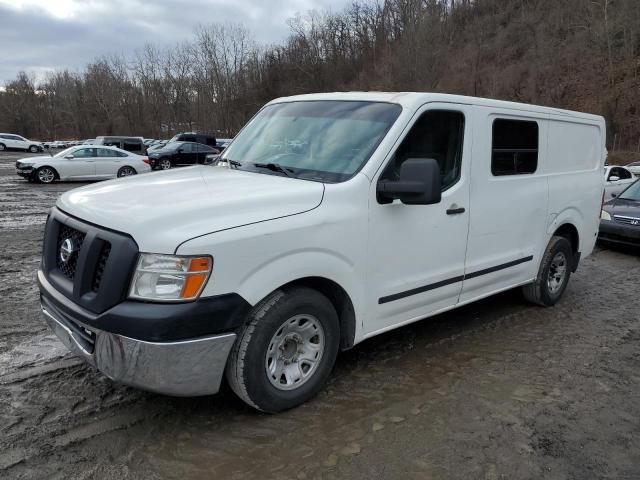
42 35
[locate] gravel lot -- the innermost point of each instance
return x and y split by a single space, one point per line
498 389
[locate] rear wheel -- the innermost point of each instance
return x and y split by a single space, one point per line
165 164
553 275
46 175
126 171
287 349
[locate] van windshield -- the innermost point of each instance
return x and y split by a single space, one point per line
326 141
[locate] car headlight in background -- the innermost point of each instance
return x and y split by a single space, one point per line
169 278
604 215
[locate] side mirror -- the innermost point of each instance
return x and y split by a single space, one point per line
69 157
614 178
180 150
420 183
614 195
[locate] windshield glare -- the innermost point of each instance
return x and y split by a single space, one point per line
632 193
326 141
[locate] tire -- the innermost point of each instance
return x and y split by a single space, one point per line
126 171
33 149
164 164
273 323
46 175
553 274
2 147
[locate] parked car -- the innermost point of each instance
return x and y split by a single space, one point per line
89 141
620 218
130 144
17 142
180 154
82 163
634 167
401 206
222 143
159 144
195 137
617 179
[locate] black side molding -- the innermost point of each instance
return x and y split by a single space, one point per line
443 283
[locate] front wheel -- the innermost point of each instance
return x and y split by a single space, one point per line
46 175
165 164
553 274
126 171
286 351
2 147
33 149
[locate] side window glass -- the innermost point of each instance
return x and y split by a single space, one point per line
105 152
131 146
624 173
437 134
514 147
81 153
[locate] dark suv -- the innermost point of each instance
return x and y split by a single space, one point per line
181 153
130 144
195 137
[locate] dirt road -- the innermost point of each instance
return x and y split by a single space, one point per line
498 389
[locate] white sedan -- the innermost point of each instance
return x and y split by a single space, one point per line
634 167
82 163
617 179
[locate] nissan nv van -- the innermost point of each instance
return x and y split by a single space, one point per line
330 219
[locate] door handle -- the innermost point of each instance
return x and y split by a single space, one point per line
455 210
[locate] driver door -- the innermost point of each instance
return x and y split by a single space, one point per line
80 164
417 252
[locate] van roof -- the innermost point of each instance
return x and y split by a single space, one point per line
414 100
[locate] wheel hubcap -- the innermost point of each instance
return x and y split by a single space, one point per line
557 272
46 175
165 164
295 352
126 172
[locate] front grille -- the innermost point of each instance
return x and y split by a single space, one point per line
76 237
102 262
627 220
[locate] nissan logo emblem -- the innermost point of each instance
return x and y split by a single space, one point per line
67 249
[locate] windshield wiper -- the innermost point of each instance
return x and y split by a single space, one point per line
275 167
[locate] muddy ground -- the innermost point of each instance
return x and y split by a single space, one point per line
498 389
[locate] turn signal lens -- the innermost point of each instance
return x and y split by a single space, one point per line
169 278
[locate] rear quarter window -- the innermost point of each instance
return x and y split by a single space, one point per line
574 147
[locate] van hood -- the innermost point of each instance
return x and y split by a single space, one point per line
163 209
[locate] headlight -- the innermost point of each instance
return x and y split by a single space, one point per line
169 278
604 215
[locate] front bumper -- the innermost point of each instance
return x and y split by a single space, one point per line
173 349
25 172
185 368
612 231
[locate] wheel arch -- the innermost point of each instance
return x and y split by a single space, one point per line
570 232
340 300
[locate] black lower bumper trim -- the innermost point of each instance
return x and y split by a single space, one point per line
155 322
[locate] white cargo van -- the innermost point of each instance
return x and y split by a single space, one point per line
331 218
